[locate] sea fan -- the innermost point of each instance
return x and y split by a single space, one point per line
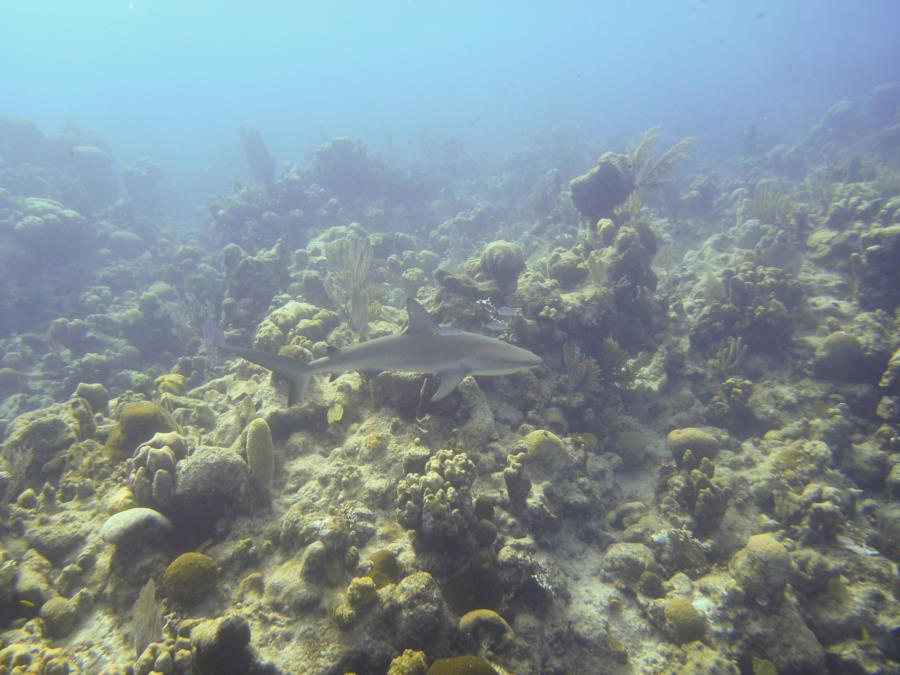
649 173
349 261
146 619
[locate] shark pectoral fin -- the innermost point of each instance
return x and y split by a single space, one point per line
449 381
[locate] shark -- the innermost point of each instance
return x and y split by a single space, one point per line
424 347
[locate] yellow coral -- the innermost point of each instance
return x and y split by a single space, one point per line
138 421
190 577
410 662
170 383
485 625
683 622
261 453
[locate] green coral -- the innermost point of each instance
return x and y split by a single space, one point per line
683 623
485 627
361 595
762 568
190 577
546 454
462 665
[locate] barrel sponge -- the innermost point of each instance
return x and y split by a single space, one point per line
260 452
138 421
190 577
502 262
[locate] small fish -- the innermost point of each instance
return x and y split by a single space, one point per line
507 312
858 549
495 326
27 603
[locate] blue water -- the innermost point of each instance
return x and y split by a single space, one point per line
175 80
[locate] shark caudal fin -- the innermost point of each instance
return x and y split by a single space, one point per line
296 373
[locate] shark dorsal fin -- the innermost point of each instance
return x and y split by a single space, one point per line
420 321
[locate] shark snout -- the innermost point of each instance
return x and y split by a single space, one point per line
523 358
533 360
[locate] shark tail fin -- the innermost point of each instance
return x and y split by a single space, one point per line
295 372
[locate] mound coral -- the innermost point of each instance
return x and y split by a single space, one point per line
190 577
138 421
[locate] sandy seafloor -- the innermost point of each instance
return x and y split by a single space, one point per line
702 478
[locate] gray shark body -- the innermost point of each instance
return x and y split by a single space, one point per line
424 347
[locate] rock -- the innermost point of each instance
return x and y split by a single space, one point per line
95 394
784 639
222 646
55 541
839 358
625 562
37 440
422 614
132 525
211 480
60 615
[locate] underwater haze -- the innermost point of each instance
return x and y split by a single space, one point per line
419 338
176 80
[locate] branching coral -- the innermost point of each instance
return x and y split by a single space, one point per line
438 503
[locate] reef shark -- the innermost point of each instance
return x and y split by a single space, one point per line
424 347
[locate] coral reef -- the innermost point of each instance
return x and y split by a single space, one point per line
703 477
